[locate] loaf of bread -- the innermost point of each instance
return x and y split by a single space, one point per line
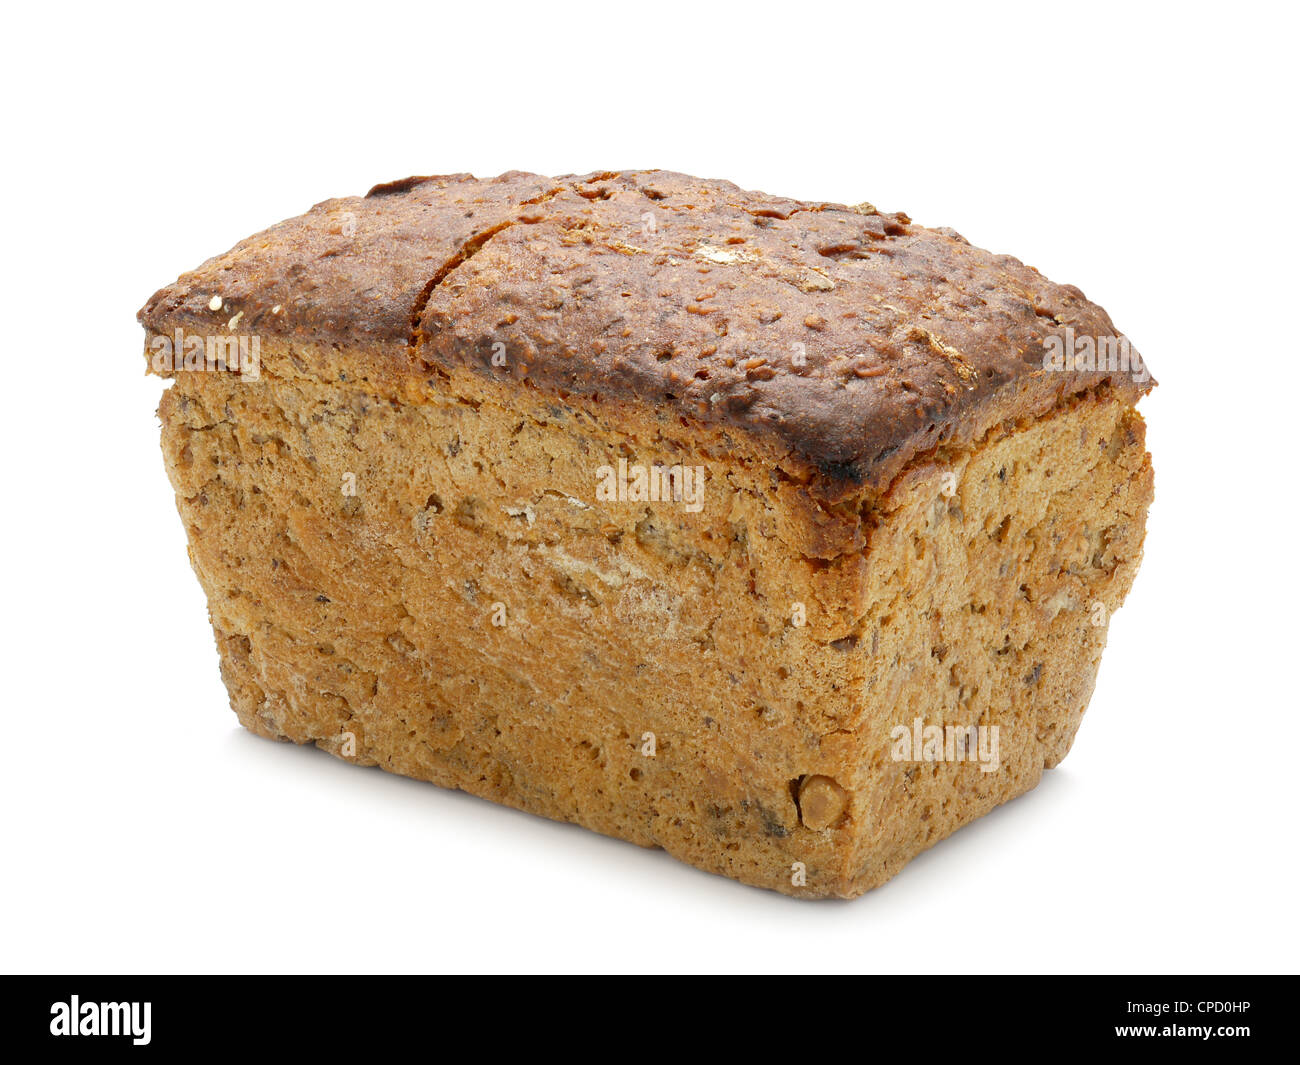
780 535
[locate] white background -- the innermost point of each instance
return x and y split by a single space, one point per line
1145 153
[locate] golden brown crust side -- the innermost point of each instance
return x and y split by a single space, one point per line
845 340
441 590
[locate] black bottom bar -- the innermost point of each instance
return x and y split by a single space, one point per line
143 1014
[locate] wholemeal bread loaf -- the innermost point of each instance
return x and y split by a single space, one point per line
780 535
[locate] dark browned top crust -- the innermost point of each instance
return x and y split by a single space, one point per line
848 339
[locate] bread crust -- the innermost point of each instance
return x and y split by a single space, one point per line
846 341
